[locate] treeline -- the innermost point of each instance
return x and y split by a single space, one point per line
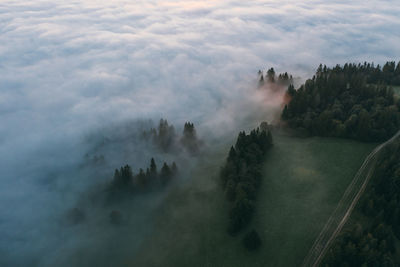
271 77
126 184
352 101
165 138
189 138
373 241
389 73
125 181
241 177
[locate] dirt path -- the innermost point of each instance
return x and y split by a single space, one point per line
344 208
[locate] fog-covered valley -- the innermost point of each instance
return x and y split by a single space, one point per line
81 80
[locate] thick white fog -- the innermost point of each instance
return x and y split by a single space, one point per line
74 73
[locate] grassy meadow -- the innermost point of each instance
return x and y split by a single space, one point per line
396 90
304 178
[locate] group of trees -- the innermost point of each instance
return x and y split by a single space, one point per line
189 138
373 242
270 77
163 137
241 176
166 139
388 74
352 101
367 246
252 240
125 181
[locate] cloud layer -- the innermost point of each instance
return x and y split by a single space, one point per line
90 59
70 67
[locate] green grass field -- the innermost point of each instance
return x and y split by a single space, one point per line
396 90
304 179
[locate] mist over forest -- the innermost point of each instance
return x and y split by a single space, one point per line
82 81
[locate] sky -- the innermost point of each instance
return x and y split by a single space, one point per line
70 68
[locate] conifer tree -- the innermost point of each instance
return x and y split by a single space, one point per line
165 174
261 81
141 178
271 75
153 168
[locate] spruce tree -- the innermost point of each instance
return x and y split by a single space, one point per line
153 168
165 174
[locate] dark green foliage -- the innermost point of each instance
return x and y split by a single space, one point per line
163 137
383 198
240 214
141 179
363 246
291 91
152 173
270 78
285 79
261 80
373 242
123 178
189 138
153 167
165 174
241 176
252 240
352 101
271 75
125 181
264 126
166 135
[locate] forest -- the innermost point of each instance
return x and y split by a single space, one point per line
165 138
125 181
241 177
272 78
352 101
149 179
372 241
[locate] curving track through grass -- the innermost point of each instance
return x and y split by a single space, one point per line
344 208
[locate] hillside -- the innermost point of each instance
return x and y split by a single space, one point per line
300 190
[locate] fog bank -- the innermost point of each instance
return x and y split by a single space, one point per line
76 73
